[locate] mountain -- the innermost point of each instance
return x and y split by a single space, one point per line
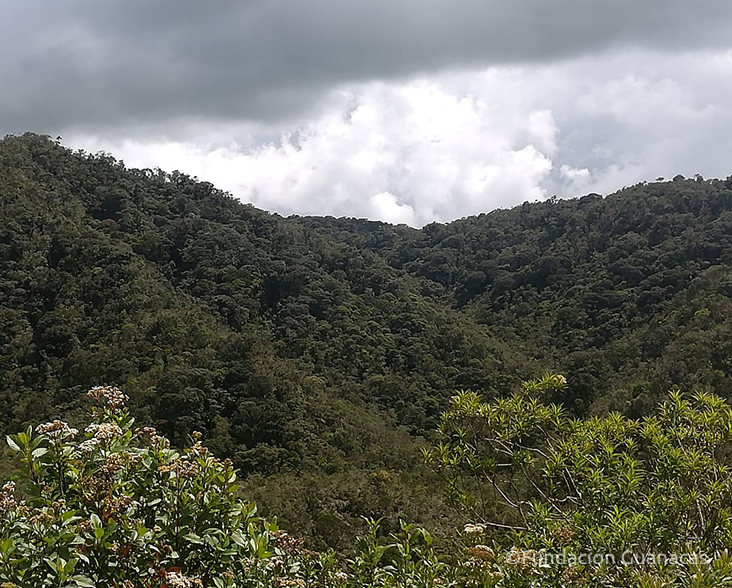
629 294
318 353
292 352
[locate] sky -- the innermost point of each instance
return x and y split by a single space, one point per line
406 111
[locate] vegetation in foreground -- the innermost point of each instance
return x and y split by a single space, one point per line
116 506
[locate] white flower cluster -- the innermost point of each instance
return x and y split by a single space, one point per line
7 498
109 397
474 529
151 438
481 552
87 447
103 431
57 430
178 580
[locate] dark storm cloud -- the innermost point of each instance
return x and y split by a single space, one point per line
90 63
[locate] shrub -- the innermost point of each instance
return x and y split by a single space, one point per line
116 506
544 482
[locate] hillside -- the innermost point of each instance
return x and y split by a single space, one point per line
628 294
293 352
317 353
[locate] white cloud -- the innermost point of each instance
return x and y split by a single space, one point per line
412 152
461 143
387 207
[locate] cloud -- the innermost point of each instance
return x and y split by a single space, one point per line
445 146
85 64
411 153
403 110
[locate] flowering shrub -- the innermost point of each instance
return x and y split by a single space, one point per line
116 506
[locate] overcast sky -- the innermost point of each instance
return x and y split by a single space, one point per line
400 110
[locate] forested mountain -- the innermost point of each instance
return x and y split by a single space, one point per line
316 353
293 352
629 294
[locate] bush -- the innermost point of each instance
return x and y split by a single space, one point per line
654 495
116 506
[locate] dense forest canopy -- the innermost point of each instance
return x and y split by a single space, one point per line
318 353
628 293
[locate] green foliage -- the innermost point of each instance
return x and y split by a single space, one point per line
121 504
116 506
316 353
629 293
543 480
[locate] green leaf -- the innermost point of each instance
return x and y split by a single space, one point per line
83 582
95 520
239 539
6 546
193 538
12 444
